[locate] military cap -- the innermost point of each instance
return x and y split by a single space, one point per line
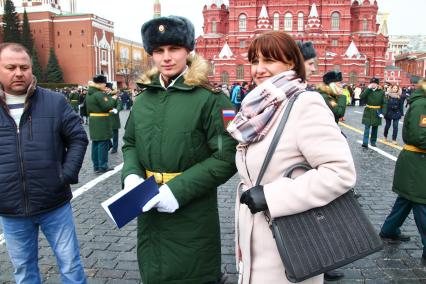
171 30
375 80
332 76
100 79
307 49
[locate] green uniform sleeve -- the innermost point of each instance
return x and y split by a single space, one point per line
104 101
130 155
340 108
208 174
366 92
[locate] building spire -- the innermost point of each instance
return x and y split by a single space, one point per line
352 51
157 9
226 52
314 23
73 6
263 23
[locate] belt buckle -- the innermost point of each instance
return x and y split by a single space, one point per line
158 177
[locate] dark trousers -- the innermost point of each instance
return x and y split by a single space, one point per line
114 140
399 213
373 137
100 154
394 125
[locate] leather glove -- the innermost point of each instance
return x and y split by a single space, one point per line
164 201
254 198
132 181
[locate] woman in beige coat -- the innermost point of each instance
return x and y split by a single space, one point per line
310 136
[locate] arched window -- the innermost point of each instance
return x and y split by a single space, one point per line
335 21
224 77
300 22
364 24
214 26
276 21
353 78
242 23
288 22
240 72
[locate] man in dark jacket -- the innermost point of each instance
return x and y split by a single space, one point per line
42 146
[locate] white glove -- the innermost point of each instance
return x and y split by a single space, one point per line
381 115
114 111
164 201
132 181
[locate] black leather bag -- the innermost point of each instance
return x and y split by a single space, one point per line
324 238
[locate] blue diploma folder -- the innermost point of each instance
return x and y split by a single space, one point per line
126 205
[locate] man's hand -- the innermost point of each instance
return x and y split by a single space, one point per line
164 201
132 181
254 198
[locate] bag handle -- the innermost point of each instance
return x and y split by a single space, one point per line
277 136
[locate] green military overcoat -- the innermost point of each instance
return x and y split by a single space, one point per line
375 98
98 106
410 170
115 117
74 98
337 104
180 129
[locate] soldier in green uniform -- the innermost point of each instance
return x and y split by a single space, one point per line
331 91
176 133
98 106
373 111
74 98
409 178
115 116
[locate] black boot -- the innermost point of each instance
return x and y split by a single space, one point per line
333 275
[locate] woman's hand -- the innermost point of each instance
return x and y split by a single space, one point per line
254 198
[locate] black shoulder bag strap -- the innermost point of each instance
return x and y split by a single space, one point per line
277 136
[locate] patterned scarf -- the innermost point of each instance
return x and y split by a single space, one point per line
256 116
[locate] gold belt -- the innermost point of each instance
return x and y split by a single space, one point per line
161 177
412 148
375 107
99 114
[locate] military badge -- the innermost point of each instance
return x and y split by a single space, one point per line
161 28
228 115
422 121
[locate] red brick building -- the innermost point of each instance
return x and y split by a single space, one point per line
412 62
345 34
83 43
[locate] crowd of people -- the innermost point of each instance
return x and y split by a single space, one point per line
192 136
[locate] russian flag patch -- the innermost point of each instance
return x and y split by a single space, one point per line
228 115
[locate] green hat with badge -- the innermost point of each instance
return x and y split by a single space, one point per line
171 30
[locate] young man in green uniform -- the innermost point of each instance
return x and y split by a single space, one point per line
331 91
373 111
176 133
74 100
409 179
115 116
99 104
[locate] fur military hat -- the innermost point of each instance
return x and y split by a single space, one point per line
307 49
332 76
375 80
109 85
99 79
171 30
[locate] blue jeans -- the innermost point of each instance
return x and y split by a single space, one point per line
114 139
394 126
399 213
21 235
100 154
373 138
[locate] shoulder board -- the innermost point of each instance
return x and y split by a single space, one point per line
211 88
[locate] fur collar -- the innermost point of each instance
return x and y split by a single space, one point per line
197 74
98 86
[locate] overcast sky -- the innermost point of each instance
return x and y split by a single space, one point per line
406 16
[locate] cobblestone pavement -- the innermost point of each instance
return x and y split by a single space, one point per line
109 254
